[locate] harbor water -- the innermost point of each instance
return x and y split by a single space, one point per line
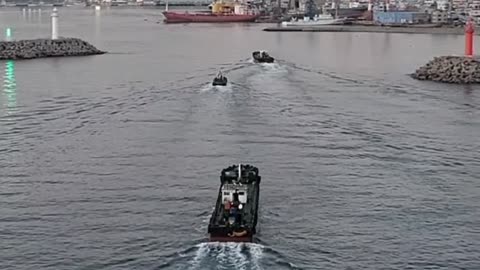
113 161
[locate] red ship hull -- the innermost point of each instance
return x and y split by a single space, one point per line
175 17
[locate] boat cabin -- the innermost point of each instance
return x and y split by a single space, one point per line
228 191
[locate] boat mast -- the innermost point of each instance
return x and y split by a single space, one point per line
279 3
336 8
310 9
239 171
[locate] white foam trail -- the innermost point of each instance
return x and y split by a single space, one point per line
239 259
217 88
256 252
199 255
227 255
273 67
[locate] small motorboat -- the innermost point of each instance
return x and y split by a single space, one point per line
220 80
262 57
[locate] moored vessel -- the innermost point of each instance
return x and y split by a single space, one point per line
321 19
312 18
221 12
235 216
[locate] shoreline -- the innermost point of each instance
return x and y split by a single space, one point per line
371 29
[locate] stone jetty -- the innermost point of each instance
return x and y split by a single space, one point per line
450 69
39 48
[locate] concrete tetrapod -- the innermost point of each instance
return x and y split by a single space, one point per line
450 69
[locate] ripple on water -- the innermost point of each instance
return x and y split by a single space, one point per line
113 162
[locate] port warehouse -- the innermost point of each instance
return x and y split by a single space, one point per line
401 17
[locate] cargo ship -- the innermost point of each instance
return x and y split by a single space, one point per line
234 218
221 12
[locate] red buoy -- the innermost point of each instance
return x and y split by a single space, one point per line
469 30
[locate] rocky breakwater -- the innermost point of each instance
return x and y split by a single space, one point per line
39 48
450 69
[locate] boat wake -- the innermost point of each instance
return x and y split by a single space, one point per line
273 67
269 74
331 75
216 88
227 256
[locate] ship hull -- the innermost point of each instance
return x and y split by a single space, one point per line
312 23
175 17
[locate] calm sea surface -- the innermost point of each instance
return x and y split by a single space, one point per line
113 161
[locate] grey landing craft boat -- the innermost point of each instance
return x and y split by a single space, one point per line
236 210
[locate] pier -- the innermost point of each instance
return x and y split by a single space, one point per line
371 29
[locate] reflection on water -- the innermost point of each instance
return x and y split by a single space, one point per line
97 27
386 43
9 87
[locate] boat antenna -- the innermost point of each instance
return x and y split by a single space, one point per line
337 3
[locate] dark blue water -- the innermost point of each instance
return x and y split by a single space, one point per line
113 161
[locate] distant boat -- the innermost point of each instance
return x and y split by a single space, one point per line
220 13
262 57
220 80
116 3
322 19
176 17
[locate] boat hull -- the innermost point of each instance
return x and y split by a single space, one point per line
313 23
175 17
219 82
220 238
